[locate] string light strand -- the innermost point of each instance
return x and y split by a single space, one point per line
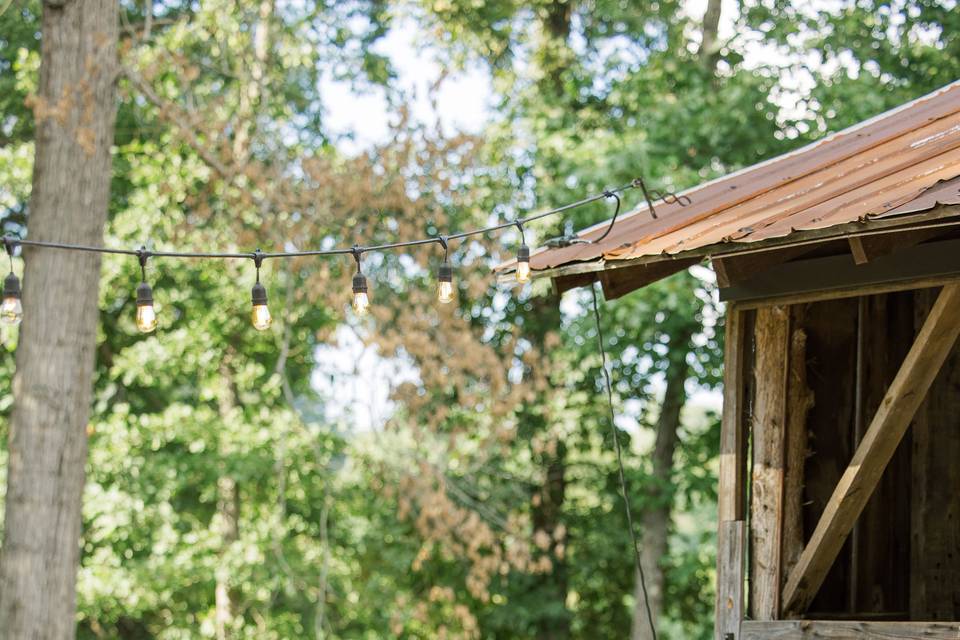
11 311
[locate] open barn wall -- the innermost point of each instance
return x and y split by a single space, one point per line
803 384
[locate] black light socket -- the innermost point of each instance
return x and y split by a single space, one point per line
359 283
259 294
144 295
523 254
11 286
445 274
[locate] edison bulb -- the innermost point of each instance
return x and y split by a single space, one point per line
444 292
146 318
523 272
260 317
11 310
360 303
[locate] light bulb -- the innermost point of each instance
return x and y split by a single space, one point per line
11 311
445 283
523 264
260 315
361 302
146 318
146 315
444 292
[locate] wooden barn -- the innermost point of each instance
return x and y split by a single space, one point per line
839 496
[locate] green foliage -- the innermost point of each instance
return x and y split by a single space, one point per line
489 506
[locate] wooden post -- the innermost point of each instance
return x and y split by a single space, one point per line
766 497
923 362
799 402
731 534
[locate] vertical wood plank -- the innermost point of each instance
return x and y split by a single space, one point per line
731 533
800 400
732 432
731 541
772 336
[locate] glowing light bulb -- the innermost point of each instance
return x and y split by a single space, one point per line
11 310
361 302
523 264
146 316
260 315
445 283
445 292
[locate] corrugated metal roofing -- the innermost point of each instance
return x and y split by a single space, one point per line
902 161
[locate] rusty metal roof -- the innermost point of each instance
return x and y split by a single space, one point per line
903 161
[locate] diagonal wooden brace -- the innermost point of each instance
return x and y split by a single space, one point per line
903 398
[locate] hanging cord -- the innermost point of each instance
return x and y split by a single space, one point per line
613 220
650 195
623 482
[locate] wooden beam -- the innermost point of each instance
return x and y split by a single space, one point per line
859 251
733 270
847 630
800 400
820 278
620 282
766 495
731 543
732 530
920 367
870 247
732 486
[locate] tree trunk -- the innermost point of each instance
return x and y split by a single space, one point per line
655 521
228 503
228 515
75 112
709 46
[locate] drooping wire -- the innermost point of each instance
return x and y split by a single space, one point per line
613 220
650 195
623 482
354 250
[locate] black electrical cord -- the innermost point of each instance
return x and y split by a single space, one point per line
356 250
623 482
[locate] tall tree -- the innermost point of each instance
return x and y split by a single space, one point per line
74 113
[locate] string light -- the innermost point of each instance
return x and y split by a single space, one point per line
260 315
11 309
361 301
146 316
523 258
445 276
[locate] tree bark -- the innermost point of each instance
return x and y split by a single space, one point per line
655 521
75 111
709 46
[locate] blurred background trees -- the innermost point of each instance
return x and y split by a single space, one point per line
233 493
